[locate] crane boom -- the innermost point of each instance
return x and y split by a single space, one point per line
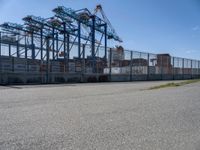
110 27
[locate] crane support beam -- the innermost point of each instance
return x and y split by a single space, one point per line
79 40
53 43
33 46
93 43
105 41
41 44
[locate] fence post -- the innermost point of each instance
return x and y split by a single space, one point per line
0 43
9 50
173 69
27 64
47 61
161 67
131 66
191 69
13 64
183 68
83 69
110 62
148 58
18 54
32 47
195 70
198 68
0 57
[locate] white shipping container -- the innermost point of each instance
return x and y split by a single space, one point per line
152 70
137 70
116 70
145 70
125 70
158 70
106 70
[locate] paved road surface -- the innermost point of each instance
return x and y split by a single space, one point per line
108 116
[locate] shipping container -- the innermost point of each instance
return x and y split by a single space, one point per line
152 70
55 68
34 65
88 70
19 64
6 64
78 69
72 67
139 70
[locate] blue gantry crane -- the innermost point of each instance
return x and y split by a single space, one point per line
54 37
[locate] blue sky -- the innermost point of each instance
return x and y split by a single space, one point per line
156 26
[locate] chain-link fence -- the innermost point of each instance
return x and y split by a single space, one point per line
17 65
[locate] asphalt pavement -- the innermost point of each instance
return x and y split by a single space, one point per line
105 116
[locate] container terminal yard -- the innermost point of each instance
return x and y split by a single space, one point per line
82 47
72 46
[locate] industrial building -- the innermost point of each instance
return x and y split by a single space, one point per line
71 46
